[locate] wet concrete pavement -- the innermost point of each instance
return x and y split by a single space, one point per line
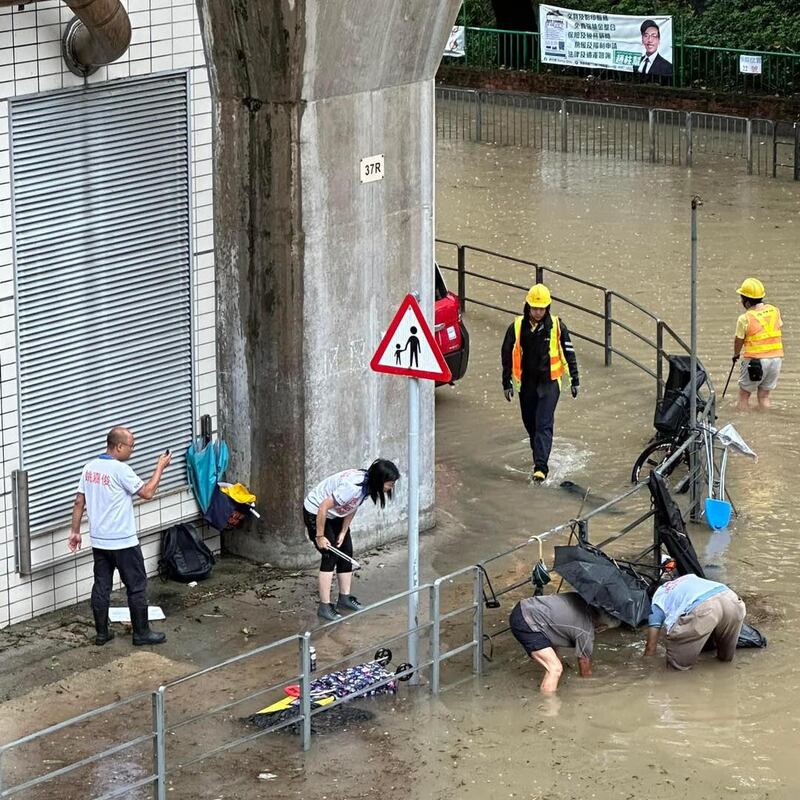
633 729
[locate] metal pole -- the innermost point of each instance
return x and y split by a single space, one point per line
774 150
796 152
413 522
749 145
477 623
689 143
435 635
651 125
659 361
159 745
22 527
693 483
462 277
608 327
305 689
563 126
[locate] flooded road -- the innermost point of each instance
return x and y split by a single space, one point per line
632 730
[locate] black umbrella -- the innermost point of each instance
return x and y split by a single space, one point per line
671 529
604 583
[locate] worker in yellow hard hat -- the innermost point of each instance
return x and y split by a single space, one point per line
537 351
759 343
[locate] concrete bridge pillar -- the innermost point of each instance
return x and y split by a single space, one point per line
312 263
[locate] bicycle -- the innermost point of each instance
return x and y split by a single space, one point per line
659 451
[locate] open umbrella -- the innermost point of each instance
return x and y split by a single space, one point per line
206 462
604 583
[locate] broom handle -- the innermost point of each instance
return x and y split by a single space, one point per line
729 380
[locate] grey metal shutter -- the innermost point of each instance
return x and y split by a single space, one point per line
102 254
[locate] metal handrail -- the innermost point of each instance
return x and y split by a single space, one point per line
610 320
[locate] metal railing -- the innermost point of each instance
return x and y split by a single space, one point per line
171 753
612 130
696 66
580 527
601 309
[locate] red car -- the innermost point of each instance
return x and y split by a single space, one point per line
451 335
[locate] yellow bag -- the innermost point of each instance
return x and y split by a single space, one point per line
238 492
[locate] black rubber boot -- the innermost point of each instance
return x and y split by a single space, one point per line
327 611
101 626
141 629
348 602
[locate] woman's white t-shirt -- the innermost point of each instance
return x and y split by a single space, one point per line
345 489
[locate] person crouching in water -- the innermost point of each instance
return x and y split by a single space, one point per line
536 352
541 624
328 510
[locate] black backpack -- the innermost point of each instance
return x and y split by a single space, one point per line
185 557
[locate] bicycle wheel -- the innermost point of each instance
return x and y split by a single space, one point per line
652 457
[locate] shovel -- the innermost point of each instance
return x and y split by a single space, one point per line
718 512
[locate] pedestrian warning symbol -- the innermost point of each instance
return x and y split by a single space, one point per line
408 347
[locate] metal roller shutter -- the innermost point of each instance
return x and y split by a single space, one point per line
102 253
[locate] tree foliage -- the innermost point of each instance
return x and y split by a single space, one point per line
744 24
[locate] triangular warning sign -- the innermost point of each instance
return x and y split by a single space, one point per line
408 347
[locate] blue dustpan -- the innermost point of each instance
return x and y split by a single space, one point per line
718 513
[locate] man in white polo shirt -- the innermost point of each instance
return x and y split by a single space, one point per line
106 490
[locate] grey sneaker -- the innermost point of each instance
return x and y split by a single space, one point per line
328 611
349 602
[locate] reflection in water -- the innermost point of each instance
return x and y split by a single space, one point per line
633 730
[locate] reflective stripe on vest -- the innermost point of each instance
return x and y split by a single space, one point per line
558 363
763 336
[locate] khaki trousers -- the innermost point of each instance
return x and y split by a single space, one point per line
721 616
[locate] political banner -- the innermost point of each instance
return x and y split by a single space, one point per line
606 41
455 42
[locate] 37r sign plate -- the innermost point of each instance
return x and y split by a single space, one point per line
371 169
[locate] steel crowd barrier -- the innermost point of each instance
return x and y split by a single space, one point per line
613 130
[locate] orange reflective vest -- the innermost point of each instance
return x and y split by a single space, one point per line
558 363
763 336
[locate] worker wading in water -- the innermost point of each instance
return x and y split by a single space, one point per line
537 351
758 341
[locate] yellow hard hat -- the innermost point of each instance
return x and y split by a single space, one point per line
538 296
752 288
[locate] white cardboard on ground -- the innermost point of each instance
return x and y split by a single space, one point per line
123 613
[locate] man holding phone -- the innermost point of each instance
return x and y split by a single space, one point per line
107 489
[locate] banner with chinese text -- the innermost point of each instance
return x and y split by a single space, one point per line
606 41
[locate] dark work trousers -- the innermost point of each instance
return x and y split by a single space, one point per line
537 405
130 564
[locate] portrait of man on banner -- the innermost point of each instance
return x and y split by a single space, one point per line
652 65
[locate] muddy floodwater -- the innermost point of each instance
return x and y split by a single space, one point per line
632 730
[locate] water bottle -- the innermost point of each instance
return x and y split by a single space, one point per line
312 652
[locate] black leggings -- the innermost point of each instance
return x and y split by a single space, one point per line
333 527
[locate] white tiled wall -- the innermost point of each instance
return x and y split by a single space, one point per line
166 37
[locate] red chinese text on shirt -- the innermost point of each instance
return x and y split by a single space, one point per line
97 477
